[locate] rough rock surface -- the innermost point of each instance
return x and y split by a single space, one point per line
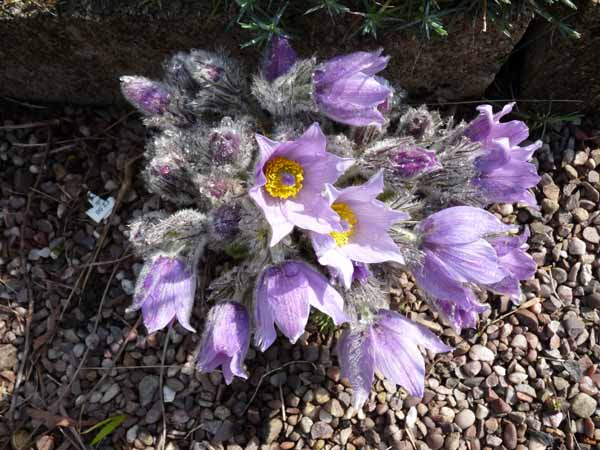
78 53
556 68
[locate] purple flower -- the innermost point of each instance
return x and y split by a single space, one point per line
365 236
388 344
505 175
455 254
411 160
164 291
284 294
347 91
289 180
225 340
512 254
279 57
150 97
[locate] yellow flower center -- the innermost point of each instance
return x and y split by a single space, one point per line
347 215
284 177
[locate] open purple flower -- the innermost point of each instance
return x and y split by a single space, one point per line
505 173
150 97
389 344
225 340
347 91
165 291
279 57
290 177
365 237
512 254
456 253
284 294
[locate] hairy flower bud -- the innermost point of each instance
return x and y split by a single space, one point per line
150 97
410 161
225 222
224 145
278 58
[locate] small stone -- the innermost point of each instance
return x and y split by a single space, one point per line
452 441
322 396
168 394
8 357
306 424
551 191
574 326
334 407
272 430
321 430
592 300
591 235
481 353
481 412
435 441
583 405
527 318
576 247
131 434
519 341
110 393
465 419
147 388
44 442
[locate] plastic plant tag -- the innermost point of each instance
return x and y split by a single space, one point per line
101 208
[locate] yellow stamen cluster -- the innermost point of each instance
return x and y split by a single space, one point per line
279 167
347 215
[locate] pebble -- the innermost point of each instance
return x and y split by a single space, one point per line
8 357
147 388
272 430
583 405
509 435
465 419
481 353
591 235
111 393
576 247
321 430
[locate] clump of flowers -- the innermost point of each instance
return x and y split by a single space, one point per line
311 184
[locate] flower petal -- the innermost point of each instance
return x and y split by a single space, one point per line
281 226
460 225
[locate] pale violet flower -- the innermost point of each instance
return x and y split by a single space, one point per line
347 90
225 340
389 343
366 223
164 292
505 174
278 58
290 178
284 294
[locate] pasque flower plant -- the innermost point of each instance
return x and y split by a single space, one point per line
320 203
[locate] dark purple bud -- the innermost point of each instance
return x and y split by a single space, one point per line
278 58
224 146
410 161
150 97
225 222
418 124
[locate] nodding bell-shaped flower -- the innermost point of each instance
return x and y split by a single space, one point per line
149 97
505 173
164 292
389 343
278 58
284 294
225 341
347 90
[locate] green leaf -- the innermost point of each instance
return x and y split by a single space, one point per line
107 426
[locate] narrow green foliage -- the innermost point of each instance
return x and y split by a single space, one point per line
430 18
106 427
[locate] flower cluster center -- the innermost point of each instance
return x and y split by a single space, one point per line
284 177
347 215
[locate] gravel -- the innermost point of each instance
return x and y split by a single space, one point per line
527 378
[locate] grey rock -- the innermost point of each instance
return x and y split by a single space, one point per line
306 424
321 430
583 405
111 393
481 353
147 388
465 419
576 247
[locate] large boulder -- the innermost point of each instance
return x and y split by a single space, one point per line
77 53
559 68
